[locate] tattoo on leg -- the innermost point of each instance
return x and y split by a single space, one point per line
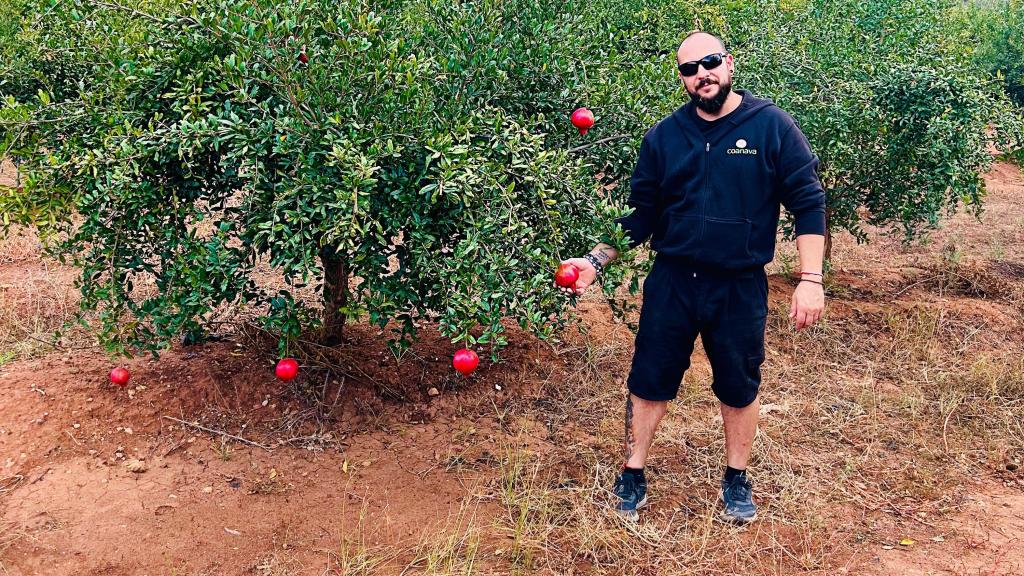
629 426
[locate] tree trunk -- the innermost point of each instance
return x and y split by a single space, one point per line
335 294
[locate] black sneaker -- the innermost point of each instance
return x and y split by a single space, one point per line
739 507
631 491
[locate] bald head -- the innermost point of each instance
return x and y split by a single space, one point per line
697 45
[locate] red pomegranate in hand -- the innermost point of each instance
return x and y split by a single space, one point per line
582 119
287 369
465 361
119 376
567 275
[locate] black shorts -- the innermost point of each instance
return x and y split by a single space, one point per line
728 311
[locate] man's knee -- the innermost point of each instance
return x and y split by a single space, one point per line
640 403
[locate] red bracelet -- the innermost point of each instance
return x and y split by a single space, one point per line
811 281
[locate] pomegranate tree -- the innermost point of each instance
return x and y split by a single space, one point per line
420 163
376 177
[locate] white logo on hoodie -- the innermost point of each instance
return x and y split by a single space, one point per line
741 148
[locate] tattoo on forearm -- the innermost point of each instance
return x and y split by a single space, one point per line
603 256
629 426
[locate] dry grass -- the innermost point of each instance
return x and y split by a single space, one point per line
451 549
37 298
353 555
20 245
874 422
9 536
277 564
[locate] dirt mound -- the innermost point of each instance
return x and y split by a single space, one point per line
102 480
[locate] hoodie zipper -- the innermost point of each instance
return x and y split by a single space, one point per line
704 204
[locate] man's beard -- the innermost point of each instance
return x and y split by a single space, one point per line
714 104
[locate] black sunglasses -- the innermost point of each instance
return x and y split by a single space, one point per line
709 62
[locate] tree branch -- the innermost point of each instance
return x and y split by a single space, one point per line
601 141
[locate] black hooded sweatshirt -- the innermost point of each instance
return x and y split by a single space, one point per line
709 194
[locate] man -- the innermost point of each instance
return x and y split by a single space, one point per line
706 189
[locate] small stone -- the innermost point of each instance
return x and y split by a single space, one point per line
208 490
127 430
76 425
136 466
432 392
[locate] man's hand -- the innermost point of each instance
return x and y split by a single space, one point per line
808 304
587 275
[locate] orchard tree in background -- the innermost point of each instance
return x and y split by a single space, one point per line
998 26
1001 37
892 101
413 160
